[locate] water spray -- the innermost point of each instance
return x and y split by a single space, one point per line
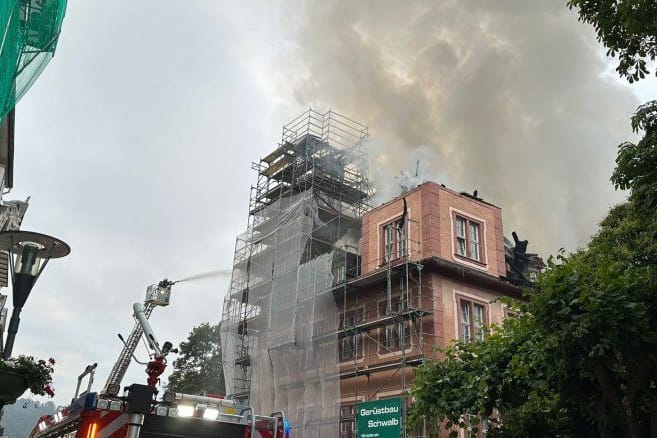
201 276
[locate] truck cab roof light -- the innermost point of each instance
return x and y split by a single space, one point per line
185 410
210 413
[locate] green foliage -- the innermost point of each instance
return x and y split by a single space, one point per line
507 376
636 168
199 369
600 303
37 372
627 28
581 360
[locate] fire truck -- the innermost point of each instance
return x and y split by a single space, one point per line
138 412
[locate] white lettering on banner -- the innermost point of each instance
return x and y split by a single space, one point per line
379 411
383 423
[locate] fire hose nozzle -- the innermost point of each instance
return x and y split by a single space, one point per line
166 283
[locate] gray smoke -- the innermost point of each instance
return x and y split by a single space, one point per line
508 96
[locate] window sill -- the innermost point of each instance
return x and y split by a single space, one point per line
469 260
396 261
345 362
393 353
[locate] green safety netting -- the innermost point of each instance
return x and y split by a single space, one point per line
29 33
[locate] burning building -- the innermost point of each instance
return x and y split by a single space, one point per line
333 303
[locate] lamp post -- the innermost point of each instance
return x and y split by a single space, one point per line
29 253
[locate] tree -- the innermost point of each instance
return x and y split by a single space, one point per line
199 369
600 306
627 28
467 385
581 360
636 168
507 382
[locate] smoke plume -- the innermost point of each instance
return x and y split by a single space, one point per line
509 97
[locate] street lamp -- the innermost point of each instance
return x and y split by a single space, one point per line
29 254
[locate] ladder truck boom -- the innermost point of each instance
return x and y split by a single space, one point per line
142 320
138 413
156 295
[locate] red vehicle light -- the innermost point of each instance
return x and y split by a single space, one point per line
91 431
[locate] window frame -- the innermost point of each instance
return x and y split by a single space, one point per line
399 248
341 273
348 422
383 347
481 242
356 341
472 302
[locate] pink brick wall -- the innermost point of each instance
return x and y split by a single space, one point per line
375 219
431 231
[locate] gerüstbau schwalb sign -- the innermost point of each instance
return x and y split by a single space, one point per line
380 419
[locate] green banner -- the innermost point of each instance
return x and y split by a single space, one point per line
380 419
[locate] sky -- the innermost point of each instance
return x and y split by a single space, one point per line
135 144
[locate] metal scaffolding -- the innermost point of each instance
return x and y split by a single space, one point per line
280 315
381 330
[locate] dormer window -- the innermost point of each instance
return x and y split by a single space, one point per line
468 238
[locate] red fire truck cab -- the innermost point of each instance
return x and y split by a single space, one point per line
175 416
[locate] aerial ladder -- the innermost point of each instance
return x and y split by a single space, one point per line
138 413
156 295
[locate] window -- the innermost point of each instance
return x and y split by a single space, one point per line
395 241
468 241
348 421
351 347
472 318
340 274
396 334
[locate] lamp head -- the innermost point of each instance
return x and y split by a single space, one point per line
29 253
27 260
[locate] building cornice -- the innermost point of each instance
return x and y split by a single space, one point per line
447 268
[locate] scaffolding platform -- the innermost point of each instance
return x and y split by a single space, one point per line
304 209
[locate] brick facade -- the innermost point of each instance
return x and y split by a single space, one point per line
431 279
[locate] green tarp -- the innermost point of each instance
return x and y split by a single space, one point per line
29 33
